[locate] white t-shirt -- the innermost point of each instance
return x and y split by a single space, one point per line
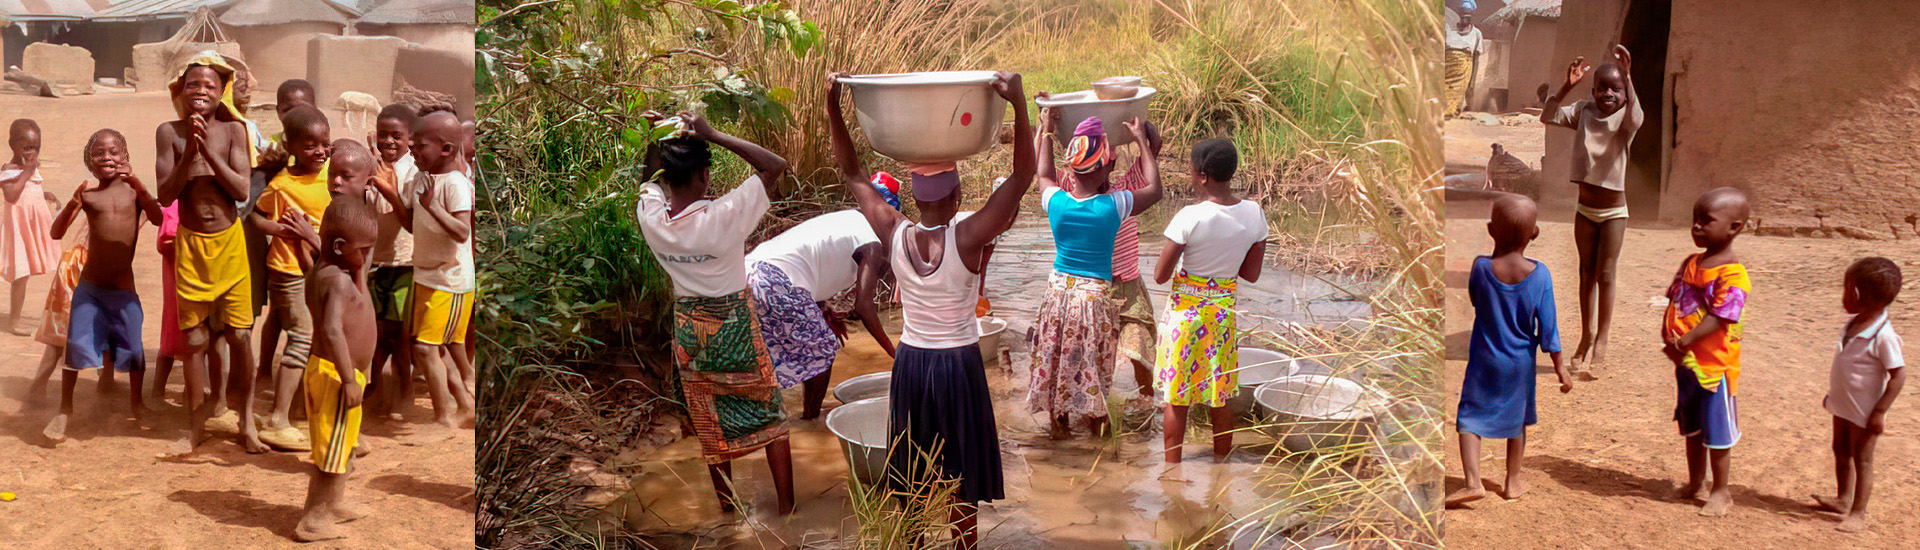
704 248
1217 237
394 246
438 261
1859 375
817 255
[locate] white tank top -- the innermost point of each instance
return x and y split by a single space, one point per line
937 310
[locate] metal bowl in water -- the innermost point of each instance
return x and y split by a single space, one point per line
1078 106
862 429
865 386
1260 536
1258 366
928 117
990 331
1314 412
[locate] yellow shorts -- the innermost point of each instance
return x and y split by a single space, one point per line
212 273
333 428
440 317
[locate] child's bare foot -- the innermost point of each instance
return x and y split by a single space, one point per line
1514 488
1855 523
1717 504
1834 504
1692 491
250 440
362 449
317 531
1467 494
346 512
1060 431
182 447
56 429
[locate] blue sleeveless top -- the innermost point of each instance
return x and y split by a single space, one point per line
1084 230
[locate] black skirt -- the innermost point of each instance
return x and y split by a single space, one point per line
941 409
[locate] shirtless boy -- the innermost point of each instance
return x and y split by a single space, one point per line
204 161
106 316
344 337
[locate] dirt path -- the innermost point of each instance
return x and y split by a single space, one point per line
1604 459
104 488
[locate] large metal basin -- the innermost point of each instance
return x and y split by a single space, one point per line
990 331
865 386
862 429
1314 412
1260 536
1258 366
928 117
1078 106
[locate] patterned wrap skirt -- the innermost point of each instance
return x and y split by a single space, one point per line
798 338
726 378
1199 348
1136 323
1073 348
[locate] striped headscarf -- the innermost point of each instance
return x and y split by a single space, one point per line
1088 149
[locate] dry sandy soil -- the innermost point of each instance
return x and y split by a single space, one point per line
104 488
1604 459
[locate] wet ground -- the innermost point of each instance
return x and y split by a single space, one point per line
1079 493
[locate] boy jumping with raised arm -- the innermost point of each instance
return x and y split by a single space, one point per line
106 315
1513 315
337 371
204 160
1867 374
1606 125
1702 334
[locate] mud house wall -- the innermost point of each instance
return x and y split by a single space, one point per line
442 71
1584 29
1488 93
362 64
439 37
277 53
1530 61
1807 106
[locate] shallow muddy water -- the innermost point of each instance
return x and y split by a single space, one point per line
1078 493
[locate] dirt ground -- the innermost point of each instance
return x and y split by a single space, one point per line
1604 459
104 486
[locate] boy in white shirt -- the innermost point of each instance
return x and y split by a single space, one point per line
1867 374
441 219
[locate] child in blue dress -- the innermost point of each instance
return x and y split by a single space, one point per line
1513 315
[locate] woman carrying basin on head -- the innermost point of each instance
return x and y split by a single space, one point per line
1076 336
941 408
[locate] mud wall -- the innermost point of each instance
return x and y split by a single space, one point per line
1530 62
1810 107
66 67
437 36
362 64
444 71
277 53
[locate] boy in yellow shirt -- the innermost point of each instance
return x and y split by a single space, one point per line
302 187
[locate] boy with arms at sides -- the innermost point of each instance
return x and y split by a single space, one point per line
204 160
105 316
337 370
268 164
1702 334
391 281
442 224
1513 315
1605 126
1867 374
301 187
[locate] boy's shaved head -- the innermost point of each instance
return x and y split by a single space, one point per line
1513 220
20 127
1728 200
305 122
1608 70
351 153
353 220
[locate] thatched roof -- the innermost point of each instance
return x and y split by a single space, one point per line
1521 9
278 12
415 12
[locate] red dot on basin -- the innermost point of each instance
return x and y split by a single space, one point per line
966 119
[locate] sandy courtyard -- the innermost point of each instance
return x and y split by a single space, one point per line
1604 459
104 486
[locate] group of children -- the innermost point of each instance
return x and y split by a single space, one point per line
747 324
1701 329
363 251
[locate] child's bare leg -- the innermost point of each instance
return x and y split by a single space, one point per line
816 392
378 402
722 475
1584 234
1173 431
402 375
240 386
1843 477
135 383
1222 431
1696 486
57 428
49 360
966 524
1863 444
317 521
461 378
269 344
18 297
1516 455
162 369
216 374
1611 234
199 407
1143 377
286 386
1721 498
463 359
1469 468
429 357
780 459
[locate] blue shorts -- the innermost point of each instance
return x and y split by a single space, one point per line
1713 415
104 320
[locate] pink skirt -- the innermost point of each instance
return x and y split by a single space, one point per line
27 246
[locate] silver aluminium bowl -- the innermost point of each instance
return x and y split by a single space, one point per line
865 386
928 117
990 331
1258 366
1078 106
862 429
1315 412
